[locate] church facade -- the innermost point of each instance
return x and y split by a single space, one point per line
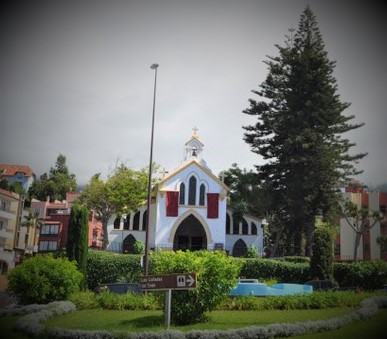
189 212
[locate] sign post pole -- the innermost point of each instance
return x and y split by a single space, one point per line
168 282
168 299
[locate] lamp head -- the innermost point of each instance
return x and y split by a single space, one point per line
154 66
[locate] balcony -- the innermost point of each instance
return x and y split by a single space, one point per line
5 233
6 213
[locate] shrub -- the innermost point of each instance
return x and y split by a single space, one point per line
321 263
315 300
111 301
85 300
370 275
252 252
217 275
43 279
297 259
287 272
108 267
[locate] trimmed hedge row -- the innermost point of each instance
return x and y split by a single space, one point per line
368 275
283 271
107 267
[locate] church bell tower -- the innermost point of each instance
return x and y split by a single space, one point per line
194 147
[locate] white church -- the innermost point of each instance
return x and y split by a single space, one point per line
189 212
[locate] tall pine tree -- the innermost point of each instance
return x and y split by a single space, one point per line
299 130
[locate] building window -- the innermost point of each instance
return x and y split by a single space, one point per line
116 224
382 209
2 225
144 216
245 227
127 222
136 221
337 249
182 194
202 195
192 191
235 223
46 246
228 223
49 230
3 267
253 229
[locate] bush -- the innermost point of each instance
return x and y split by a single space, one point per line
108 267
283 271
315 300
321 263
369 275
217 275
110 301
297 259
43 279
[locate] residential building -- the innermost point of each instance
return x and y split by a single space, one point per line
18 173
53 234
189 212
368 248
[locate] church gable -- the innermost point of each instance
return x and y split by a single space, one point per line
191 186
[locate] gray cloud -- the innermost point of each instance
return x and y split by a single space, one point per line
75 78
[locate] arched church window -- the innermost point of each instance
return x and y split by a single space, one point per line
116 224
182 194
235 223
202 195
253 229
144 216
245 226
127 222
228 223
136 221
192 191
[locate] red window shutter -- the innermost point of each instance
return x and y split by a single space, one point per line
212 205
171 203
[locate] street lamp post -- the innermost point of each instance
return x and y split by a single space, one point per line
146 258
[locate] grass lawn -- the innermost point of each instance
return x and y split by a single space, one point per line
120 321
374 328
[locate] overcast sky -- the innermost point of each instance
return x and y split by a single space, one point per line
75 78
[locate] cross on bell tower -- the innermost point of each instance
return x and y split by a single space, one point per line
194 147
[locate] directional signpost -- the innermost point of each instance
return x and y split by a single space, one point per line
168 282
178 281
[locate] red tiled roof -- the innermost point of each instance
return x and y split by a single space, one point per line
11 170
9 194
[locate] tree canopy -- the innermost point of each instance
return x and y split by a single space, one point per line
54 184
124 191
299 128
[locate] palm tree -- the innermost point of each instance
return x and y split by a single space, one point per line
32 221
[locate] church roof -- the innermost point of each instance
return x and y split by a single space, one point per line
196 138
188 163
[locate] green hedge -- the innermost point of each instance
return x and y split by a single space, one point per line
283 271
369 275
109 267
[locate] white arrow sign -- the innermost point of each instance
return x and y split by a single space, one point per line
190 280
